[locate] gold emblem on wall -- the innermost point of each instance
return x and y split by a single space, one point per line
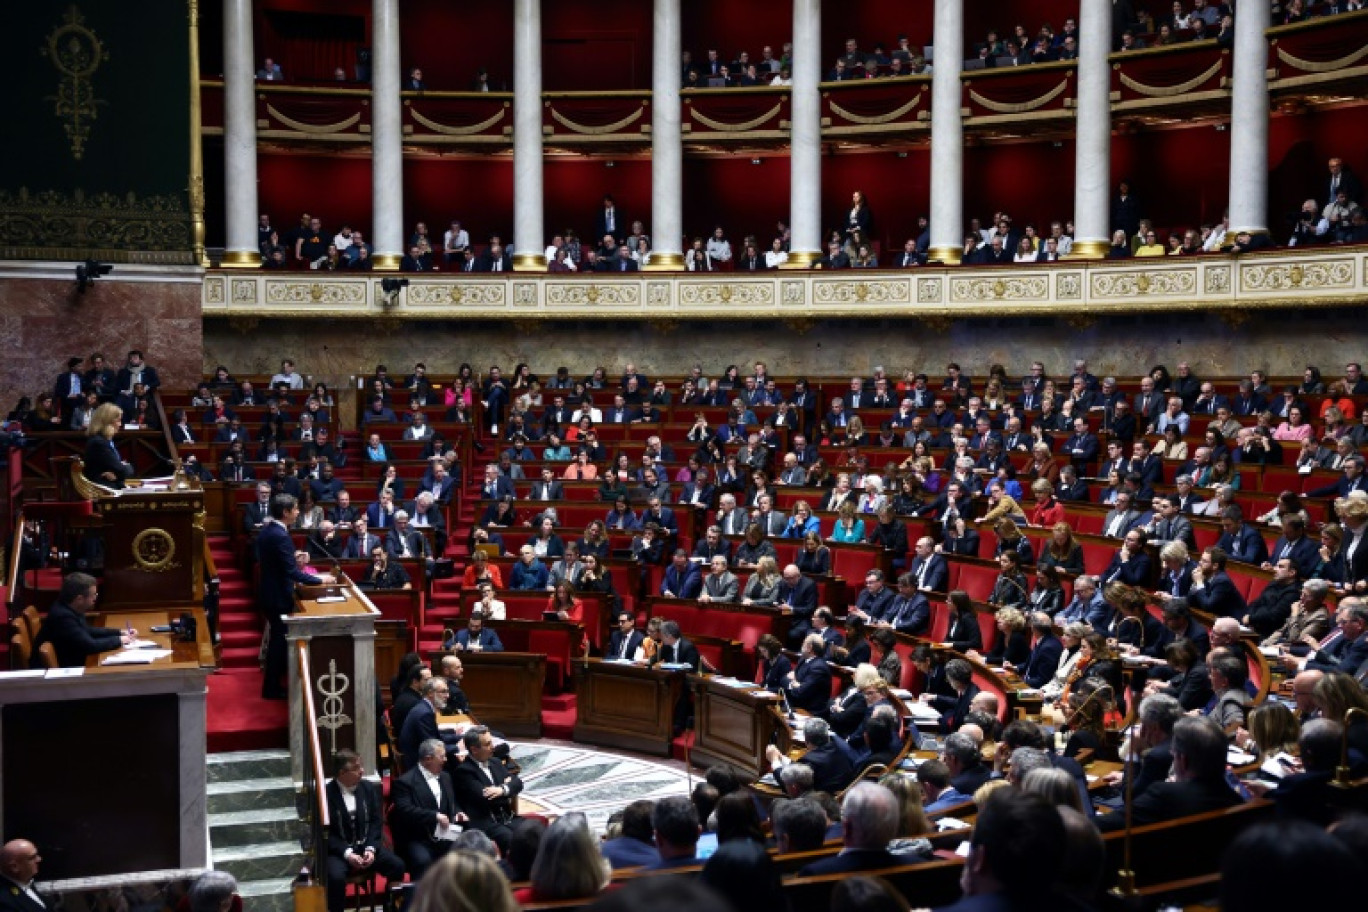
77 53
153 550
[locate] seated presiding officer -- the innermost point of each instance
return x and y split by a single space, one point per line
476 637
356 833
485 788
67 629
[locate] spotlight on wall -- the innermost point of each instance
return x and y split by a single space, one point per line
389 290
89 271
610 164
755 161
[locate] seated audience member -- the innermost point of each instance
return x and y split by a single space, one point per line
831 760
1270 865
420 818
568 863
937 792
68 630
744 873
869 821
799 825
635 844
1016 852
356 838
1198 778
676 824
967 769
485 788
466 878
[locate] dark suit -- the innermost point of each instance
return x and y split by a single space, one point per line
954 707
910 615
811 688
414 818
72 637
1172 800
685 584
542 490
616 642
101 457
833 765
1135 572
932 573
1219 597
1044 661
487 640
490 816
681 653
853 860
419 725
1246 545
275 597
1303 553
359 832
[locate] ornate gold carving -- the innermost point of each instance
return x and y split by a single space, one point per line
1004 288
929 291
59 225
214 290
1133 284
154 550
1323 66
733 128
614 127
890 291
794 292
1069 286
658 294
878 119
244 291
446 130
998 107
1181 88
1282 276
525 294
316 129
1218 280
741 294
306 292
76 53
474 294
573 293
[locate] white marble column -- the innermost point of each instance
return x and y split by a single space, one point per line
239 137
1249 121
805 136
1092 132
667 152
387 137
529 238
947 134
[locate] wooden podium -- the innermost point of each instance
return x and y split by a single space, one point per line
626 706
336 624
733 725
153 542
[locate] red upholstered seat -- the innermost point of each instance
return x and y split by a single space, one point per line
977 580
1096 557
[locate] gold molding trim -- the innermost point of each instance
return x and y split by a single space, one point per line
1327 66
881 118
311 128
446 130
76 52
998 107
1169 91
739 127
596 131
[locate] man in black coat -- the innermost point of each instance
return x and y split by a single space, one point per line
425 810
626 639
356 832
275 592
485 788
809 684
798 595
19 860
67 629
828 756
1199 763
869 821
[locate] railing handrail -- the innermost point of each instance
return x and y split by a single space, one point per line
311 725
16 555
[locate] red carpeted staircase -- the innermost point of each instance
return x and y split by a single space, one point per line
238 719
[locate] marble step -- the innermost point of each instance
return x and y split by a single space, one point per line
239 828
252 764
260 861
272 895
251 794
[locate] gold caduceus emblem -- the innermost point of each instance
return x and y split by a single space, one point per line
332 686
153 550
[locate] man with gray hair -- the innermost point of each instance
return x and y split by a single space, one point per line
404 542
796 779
869 821
425 809
1198 773
1151 745
1309 794
485 788
809 684
212 892
1025 759
1087 604
831 758
967 769
426 514
1350 650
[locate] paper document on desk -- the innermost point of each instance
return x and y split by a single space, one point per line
23 673
142 644
675 666
1237 757
923 712
135 657
1278 765
950 823
65 672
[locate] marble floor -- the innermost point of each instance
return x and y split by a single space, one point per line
558 778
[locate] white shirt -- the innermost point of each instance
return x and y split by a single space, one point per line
719 249
774 260
434 783
342 241
460 241
494 609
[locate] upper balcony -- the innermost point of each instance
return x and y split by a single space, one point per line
1321 62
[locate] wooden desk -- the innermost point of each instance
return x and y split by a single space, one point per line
626 706
199 654
505 690
732 725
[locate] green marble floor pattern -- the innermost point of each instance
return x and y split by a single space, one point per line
563 779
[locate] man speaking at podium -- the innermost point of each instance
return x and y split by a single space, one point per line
275 597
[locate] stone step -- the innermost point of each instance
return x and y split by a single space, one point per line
260 861
251 794
273 895
251 764
239 828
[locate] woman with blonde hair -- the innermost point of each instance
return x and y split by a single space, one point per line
763 587
464 882
102 463
1062 551
1270 729
849 527
913 824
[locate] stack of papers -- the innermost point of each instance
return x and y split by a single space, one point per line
950 823
1237 757
135 657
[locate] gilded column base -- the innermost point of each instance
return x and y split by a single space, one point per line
386 262
1089 250
529 262
1253 232
948 255
665 262
801 259
241 259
